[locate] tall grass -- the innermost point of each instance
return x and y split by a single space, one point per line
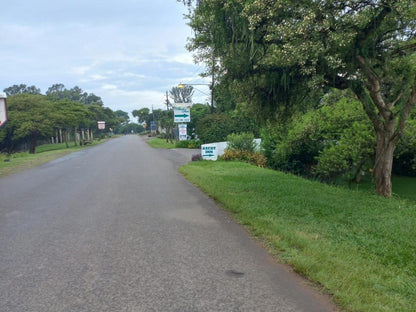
361 248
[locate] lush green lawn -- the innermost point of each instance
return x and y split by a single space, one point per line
403 187
361 248
21 161
160 143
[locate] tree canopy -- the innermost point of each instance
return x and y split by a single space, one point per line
281 55
61 114
21 88
75 94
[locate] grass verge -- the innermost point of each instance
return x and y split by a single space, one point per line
403 187
17 162
361 248
159 143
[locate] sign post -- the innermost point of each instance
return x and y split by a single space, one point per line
182 114
182 132
101 125
209 151
3 109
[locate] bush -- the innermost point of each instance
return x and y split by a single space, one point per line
253 158
214 128
243 141
181 144
194 144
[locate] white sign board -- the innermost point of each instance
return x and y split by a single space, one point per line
182 132
3 110
209 151
101 125
182 114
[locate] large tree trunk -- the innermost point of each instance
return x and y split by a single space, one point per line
66 137
76 135
33 142
388 124
386 144
60 136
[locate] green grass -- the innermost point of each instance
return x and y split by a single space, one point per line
403 187
160 143
359 247
22 161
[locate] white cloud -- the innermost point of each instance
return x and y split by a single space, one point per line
109 87
128 53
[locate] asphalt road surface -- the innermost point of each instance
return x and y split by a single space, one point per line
116 228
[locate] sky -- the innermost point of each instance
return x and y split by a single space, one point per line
128 52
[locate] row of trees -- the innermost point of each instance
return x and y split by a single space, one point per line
278 58
60 115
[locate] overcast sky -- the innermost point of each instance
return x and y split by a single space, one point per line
128 52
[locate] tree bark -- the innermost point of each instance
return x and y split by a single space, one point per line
66 137
60 135
32 146
76 136
386 145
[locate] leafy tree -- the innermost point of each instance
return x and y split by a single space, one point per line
143 116
278 50
405 156
335 139
100 113
166 121
123 116
198 111
22 88
69 116
30 117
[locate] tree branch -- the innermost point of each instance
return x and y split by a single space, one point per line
410 105
375 91
404 49
372 26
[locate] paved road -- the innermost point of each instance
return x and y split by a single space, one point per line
116 228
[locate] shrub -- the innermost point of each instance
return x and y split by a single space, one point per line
181 144
243 141
253 158
214 128
194 144
196 157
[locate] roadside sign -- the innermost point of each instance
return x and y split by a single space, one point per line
209 152
182 132
182 114
3 109
101 125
